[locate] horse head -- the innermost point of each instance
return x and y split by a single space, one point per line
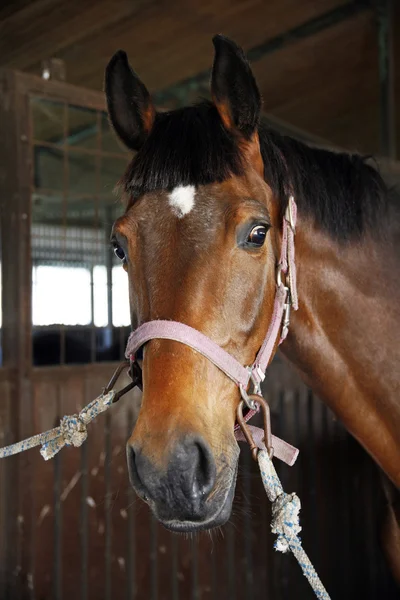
199 240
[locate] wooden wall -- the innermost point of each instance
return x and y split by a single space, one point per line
81 532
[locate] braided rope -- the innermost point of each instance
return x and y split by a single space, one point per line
72 431
285 522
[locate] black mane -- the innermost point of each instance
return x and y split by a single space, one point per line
189 146
345 194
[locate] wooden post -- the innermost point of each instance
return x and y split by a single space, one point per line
384 10
15 173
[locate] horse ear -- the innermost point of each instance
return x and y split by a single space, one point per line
130 108
234 89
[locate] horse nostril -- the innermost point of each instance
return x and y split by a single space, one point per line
203 470
184 486
134 477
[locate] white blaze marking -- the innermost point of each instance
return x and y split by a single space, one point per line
181 199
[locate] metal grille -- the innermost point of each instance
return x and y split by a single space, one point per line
80 299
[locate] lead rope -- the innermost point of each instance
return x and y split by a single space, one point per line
72 430
285 507
285 522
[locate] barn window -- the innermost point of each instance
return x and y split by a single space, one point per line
80 309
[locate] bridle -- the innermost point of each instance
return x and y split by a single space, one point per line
285 298
243 376
73 429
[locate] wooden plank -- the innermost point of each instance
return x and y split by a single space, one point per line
118 497
142 566
93 503
72 400
99 372
46 416
184 574
6 388
204 552
7 374
59 90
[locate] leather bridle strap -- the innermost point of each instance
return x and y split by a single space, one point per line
179 332
173 330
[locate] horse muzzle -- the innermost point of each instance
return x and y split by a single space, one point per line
187 495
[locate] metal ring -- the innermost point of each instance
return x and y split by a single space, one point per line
279 276
279 282
247 400
246 432
256 385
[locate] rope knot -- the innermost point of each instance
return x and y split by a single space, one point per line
285 520
73 429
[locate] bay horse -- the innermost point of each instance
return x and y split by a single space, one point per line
200 239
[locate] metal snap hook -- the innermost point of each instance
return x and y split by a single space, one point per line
279 276
263 404
247 398
279 282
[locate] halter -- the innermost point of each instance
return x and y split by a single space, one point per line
285 298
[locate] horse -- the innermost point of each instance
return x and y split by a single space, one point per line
200 240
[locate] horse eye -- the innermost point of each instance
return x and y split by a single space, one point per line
119 252
256 237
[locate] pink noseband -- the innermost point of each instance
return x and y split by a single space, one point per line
285 298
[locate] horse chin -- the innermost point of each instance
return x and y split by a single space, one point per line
217 519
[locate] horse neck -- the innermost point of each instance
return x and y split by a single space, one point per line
343 339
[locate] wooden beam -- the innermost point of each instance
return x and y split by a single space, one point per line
385 10
167 42
177 94
43 28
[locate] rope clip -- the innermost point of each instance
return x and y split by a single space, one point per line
263 404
